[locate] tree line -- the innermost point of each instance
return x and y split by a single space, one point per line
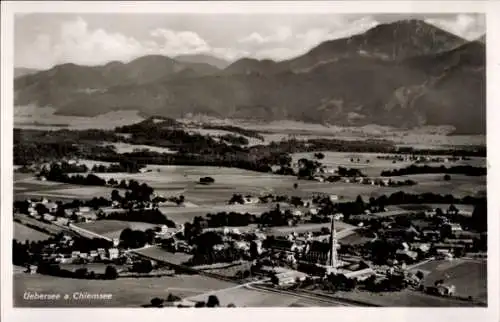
467 170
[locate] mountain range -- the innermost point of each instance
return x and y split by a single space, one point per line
403 74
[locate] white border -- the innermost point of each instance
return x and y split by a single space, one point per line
492 8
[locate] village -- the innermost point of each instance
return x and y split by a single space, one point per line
329 241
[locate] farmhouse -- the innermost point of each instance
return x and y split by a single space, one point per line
49 217
113 253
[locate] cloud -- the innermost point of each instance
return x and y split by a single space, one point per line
180 42
299 43
468 26
281 34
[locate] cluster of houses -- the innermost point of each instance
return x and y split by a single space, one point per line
419 158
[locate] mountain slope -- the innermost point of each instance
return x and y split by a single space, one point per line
205 59
421 83
21 71
392 41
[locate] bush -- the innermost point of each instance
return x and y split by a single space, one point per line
111 273
157 302
207 180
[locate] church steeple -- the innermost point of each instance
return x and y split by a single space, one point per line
332 258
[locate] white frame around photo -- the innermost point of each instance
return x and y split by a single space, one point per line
491 313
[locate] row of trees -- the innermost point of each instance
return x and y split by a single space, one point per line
415 169
152 216
129 166
81 273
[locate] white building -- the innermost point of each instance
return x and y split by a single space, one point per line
113 253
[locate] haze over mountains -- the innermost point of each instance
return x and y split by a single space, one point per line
402 74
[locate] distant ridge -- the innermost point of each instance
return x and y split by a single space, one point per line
205 59
21 71
404 74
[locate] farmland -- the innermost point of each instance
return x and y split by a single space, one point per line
245 297
468 276
126 292
113 228
23 233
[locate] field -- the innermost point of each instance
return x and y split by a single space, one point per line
162 255
113 228
245 297
405 298
468 276
31 188
126 292
122 147
23 233
29 220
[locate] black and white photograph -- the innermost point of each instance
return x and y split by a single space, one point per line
248 160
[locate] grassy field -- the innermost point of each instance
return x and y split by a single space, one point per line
468 276
113 228
244 297
162 255
126 292
405 298
122 147
50 227
23 233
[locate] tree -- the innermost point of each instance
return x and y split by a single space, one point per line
447 177
115 196
295 185
419 275
41 209
453 210
319 155
157 302
213 301
274 279
254 253
173 298
479 218
231 305
111 273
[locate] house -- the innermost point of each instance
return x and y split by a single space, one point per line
116 242
62 221
49 217
162 230
83 209
75 254
219 247
241 245
442 289
260 236
338 216
431 234
297 213
101 251
362 274
280 244
313 211
32 269
93 253
404 254
84 255
423 247
52 207
113 253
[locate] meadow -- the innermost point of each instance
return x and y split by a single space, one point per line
23 233
245 297
113 228
468 276
126 292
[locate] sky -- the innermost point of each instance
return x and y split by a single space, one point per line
43 40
